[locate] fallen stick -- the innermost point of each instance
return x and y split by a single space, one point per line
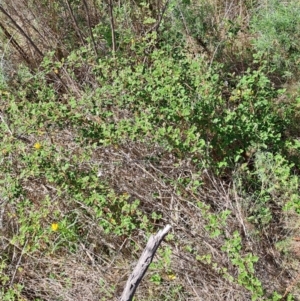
143 264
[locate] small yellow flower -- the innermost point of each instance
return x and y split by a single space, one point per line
54 227
172 276
37 145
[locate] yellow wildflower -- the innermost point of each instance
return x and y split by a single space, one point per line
37 145
54 227
172 276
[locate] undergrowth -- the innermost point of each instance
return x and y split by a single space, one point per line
128 118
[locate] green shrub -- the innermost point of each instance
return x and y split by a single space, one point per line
180 103
269 189
276 27
208 127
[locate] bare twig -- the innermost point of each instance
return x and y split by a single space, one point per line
112 26
15 44
76 27
18 264
21 30
143 264
160 18
90 26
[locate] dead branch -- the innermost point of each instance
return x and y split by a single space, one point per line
112 26
21 31
143 264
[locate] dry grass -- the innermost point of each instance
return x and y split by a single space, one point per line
99 267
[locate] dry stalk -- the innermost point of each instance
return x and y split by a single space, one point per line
19 28
112 26
75 25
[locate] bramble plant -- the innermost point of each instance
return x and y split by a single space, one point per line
245 265
137 115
